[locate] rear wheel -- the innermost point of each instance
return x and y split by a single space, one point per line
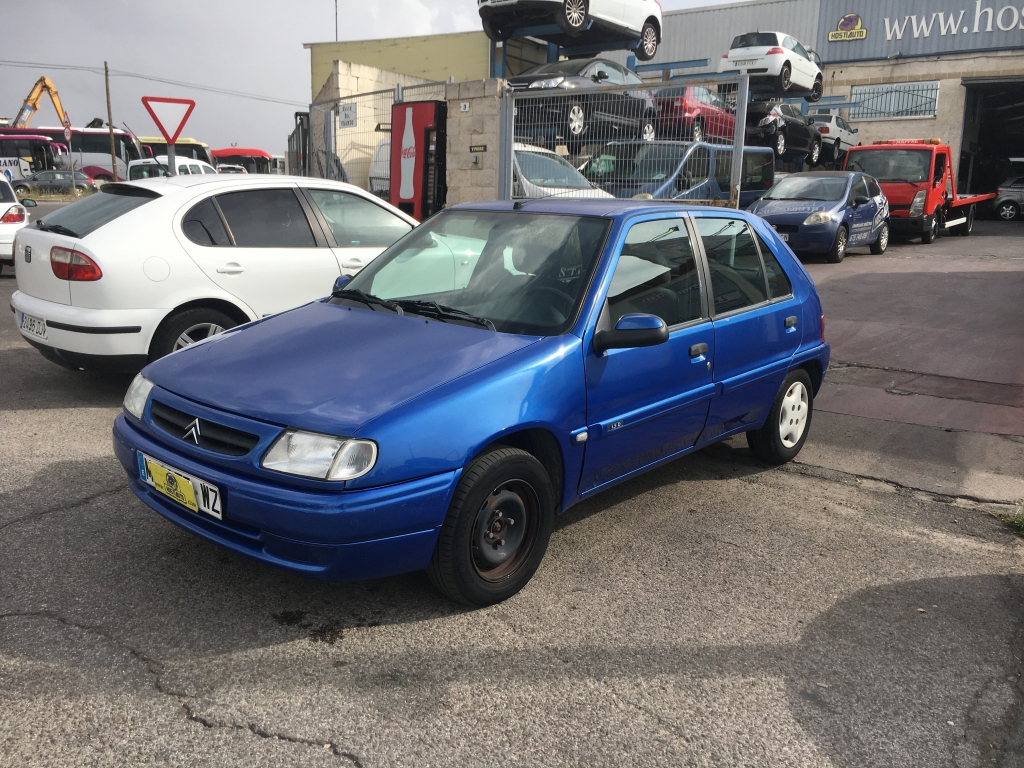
815 156
785 79
1009 211
575 127
21 191
186 328
647 131
496 530
789 421
697 131
838 252
572 17
965 229
837 151
648 42
882 241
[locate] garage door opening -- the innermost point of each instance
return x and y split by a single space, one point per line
993 133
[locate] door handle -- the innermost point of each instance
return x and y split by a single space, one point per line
791 321
698 350
231 268
353 263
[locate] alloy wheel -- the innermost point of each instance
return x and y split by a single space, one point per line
196 333
576 13
1008 212
698 131
793 414
841 240
883 238
647 132
650 42
504 531
576 120
815 153
787 78
780 144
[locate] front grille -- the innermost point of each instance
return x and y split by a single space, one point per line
209 435
789 229
897 207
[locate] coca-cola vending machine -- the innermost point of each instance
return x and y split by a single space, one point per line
418 145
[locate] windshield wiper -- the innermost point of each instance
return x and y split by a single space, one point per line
354 294
58 229
443 313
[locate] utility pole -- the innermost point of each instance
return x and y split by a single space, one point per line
335 20
110 126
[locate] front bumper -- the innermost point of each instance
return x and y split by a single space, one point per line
903 225
334 536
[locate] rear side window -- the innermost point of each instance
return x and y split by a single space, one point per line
202 225
88 215
737 277
356 222
267 218
778 283
6 193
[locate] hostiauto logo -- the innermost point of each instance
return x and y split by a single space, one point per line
850 27
984 20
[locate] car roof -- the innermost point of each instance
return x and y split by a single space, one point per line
828 174
609 208
171 185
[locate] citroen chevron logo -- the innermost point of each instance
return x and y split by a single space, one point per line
193 433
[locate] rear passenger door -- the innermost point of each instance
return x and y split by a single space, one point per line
756 323
261 245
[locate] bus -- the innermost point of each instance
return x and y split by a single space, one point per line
188 149
253 160
90 149
26 154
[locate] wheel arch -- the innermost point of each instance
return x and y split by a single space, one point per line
653 21
543 446
813 369
233 311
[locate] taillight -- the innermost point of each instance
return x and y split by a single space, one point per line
72 265
15 215
682 104
725 55
823 129
773 51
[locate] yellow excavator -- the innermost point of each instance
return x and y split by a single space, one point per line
31 105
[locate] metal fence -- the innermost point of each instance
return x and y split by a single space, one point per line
670 140
885 102
350 138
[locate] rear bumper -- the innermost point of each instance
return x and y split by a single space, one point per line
338 536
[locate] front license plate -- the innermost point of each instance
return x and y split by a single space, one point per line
784 236
190 492
34 326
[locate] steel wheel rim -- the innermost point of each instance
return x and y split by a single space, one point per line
698 132
883 238
650 42
793 414
576 120
647 134
575 13
1008 212
195 333
504 531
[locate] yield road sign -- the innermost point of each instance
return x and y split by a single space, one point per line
170 115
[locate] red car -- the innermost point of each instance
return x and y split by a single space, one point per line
693 112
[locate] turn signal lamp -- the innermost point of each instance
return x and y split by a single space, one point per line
72 265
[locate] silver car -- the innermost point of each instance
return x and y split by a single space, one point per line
1010 199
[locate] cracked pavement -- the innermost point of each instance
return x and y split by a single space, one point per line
860 606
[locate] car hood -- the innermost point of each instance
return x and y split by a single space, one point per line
328 368
772 209
901 192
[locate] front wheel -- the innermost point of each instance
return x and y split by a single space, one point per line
647 131
882 241
648 42
837 152
780 144
186 328
21 191
784 432
932 234
494 32
496 530
572 17
838 252
817 90
967 227
575 127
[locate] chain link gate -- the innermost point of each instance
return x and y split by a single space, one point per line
670 140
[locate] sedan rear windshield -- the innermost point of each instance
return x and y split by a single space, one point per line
755 40
91 213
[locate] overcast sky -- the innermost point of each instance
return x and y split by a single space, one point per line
250 46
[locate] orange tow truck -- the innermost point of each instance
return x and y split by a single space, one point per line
916 176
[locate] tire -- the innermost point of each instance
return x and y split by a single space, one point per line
647 130
930 236
499 491
1008 211
780 144
196 324
497 34
572 17
789 421
785 79
838 250
814 158
882 241
816 90
965 229
697 130
22 191
837 152
648 42
575 127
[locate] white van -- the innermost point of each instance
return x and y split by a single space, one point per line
150 167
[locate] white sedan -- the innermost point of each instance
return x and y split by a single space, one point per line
141 269
774 59
579 21
13 217
836 134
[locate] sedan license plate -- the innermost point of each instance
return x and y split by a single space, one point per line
34 326
784 236
191 492
745 62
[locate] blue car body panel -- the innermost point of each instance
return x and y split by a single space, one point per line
434 395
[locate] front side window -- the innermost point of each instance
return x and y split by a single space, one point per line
356 222
737 276
656 274
859 189
524 273
202 225
266 218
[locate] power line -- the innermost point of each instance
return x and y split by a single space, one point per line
138 76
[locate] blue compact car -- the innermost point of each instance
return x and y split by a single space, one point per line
827 212
494 367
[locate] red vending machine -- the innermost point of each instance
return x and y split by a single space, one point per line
418 145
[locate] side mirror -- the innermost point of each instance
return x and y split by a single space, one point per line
28 202
634 330
341 282
600 75
856 130
860 200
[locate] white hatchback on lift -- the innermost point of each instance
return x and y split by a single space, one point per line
141 269
774 60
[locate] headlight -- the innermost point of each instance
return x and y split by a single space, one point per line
551 82
323 457
821 217
917 207
137 395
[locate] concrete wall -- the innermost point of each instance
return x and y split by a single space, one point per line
348 79
473 175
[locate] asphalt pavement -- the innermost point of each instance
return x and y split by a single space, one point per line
860 606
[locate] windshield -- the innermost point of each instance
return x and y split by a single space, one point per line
892 164
569 67
637 162
525 273
809 188
146 171
548 170
755 40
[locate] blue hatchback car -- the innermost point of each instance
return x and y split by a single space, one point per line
826 212
494 367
